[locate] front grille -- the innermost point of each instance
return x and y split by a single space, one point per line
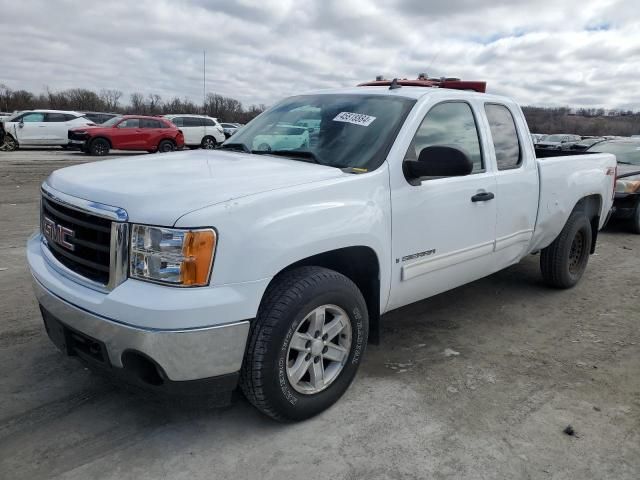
91 240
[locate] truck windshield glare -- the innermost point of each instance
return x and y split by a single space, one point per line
339 130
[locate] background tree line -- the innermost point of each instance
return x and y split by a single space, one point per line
541 120
108 100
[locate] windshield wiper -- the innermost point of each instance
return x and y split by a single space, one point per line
302 154
239 147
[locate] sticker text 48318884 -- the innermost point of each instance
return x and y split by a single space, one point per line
354 118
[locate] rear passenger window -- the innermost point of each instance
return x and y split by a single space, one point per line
147 123
192 122
56 117
449 124
208 122
178 121
505 136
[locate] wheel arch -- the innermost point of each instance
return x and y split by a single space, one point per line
100 137
358 263
591 206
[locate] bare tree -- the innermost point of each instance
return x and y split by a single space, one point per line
137 103
110 97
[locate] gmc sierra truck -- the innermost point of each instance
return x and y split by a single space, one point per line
195 272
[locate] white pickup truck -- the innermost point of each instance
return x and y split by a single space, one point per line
197 271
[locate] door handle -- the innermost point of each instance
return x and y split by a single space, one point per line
482 197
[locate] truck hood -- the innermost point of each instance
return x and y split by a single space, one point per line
160 188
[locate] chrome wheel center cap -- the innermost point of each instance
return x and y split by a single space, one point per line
316 347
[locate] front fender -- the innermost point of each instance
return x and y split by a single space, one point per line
262 234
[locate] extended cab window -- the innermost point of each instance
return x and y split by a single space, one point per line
505 136
449 124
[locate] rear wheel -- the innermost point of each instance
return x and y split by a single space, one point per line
564 261
209 143
305 345
99 147
166 146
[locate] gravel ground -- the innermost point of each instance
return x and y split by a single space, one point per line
479 382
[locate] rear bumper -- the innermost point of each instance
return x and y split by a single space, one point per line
179 355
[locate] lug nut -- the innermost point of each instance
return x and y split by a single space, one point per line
317 334
325 336
307 345
307 357
325 349
317 359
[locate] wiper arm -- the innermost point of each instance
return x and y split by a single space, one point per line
240 147
303 154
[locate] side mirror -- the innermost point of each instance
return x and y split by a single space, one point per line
438 161
21 124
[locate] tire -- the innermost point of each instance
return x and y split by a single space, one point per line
166 146
99 147
10 144
564 261
209 143
635 219
281 338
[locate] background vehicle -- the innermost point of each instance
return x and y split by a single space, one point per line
558 141
41 128
229 128
537 137
129 132
99 117
282 136
627 200
272 268
198 130
585 143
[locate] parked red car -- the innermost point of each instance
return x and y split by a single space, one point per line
128 132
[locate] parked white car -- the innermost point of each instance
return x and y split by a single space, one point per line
200 271
281 137
41 127
199 130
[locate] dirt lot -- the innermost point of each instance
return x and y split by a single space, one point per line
525 362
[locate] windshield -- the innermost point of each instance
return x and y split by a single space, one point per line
111 122
334 130
625 152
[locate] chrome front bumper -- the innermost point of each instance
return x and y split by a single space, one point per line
183 355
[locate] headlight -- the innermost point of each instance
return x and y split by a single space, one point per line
627 186
172 256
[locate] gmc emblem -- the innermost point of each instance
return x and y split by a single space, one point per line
57 233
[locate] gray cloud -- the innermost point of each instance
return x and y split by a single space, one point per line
583 53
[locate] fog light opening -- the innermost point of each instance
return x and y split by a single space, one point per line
143 368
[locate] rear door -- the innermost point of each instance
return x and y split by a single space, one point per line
444 227
516 182
58 126
193 130
151 133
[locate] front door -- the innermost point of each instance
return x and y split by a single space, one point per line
444 228
127 135
32 129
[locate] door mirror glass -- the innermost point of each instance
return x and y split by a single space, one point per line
439 161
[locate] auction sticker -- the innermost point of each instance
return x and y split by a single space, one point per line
355 118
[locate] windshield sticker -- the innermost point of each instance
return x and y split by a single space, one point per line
355 118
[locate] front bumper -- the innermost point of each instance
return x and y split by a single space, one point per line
180 355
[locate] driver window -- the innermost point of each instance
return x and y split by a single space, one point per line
451 124
130 123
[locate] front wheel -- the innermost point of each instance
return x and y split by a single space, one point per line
564 261
10 144
99 147
305 345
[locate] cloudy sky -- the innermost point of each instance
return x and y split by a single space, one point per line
541 52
